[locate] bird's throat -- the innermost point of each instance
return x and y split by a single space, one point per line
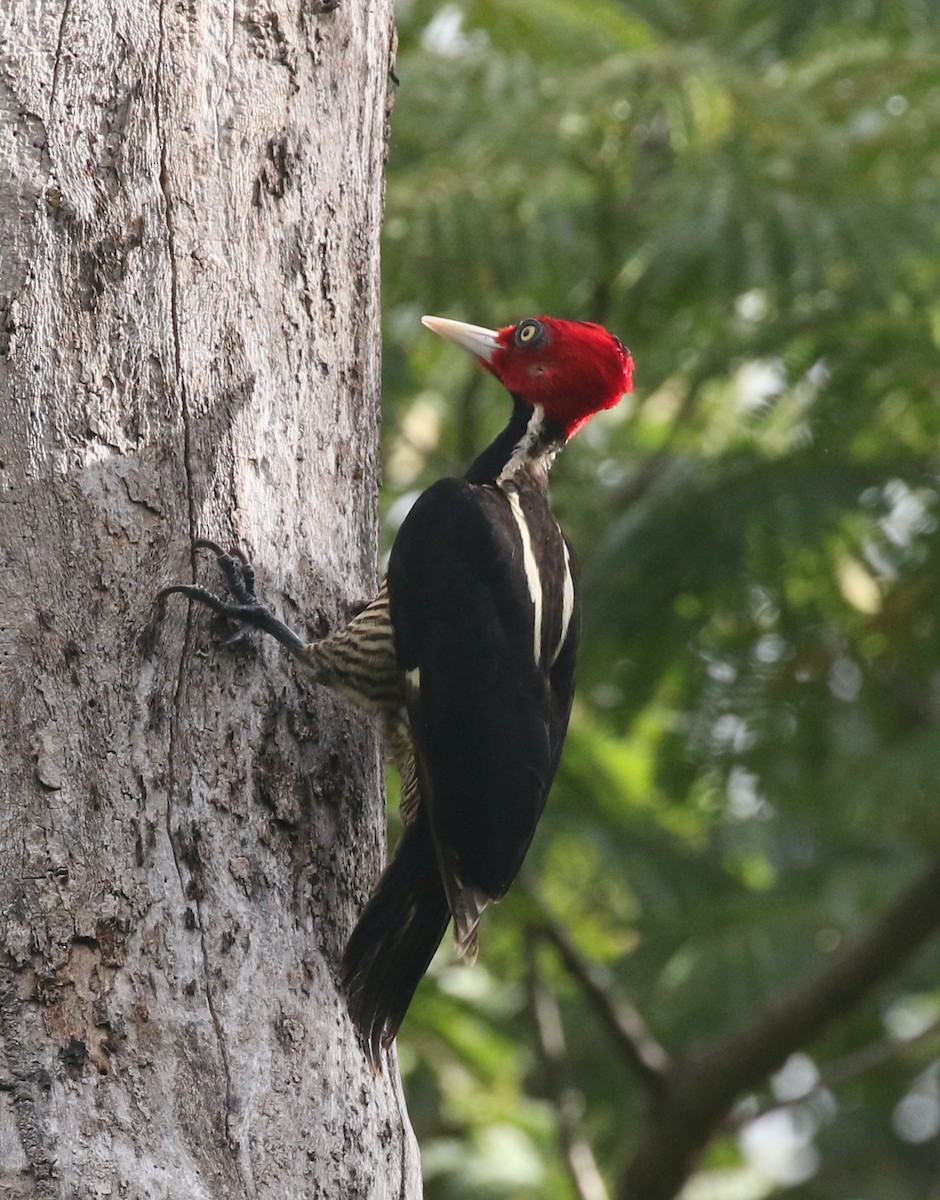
527 446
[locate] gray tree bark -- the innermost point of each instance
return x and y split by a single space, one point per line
190 199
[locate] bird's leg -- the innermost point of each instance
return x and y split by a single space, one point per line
358 661
239 576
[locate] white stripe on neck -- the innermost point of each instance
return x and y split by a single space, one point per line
524 452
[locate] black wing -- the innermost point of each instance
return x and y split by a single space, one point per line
489 698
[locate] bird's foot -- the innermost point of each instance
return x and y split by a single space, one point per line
247 609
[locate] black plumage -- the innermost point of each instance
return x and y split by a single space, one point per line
488 721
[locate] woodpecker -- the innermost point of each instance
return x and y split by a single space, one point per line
467 655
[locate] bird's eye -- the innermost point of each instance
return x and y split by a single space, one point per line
529 333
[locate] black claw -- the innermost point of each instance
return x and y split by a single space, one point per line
241 634
248 574
208 544
239 576
233 572
236 569
204 596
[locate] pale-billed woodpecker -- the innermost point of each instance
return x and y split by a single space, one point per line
467 654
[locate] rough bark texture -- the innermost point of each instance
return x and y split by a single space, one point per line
190 197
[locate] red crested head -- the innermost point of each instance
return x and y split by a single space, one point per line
571 369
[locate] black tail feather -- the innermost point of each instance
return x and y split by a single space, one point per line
395 939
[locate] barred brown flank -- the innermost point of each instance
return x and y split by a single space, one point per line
360 659
467 655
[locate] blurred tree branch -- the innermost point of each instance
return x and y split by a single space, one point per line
643 1055
699 1089
568 1102
860 1062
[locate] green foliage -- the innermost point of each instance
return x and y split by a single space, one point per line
748 194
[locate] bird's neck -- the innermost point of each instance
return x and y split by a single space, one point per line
526 448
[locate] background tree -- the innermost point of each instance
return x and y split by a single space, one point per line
749 196
189 211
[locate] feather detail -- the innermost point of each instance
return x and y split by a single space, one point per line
467 913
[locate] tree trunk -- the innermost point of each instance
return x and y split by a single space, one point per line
190 199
